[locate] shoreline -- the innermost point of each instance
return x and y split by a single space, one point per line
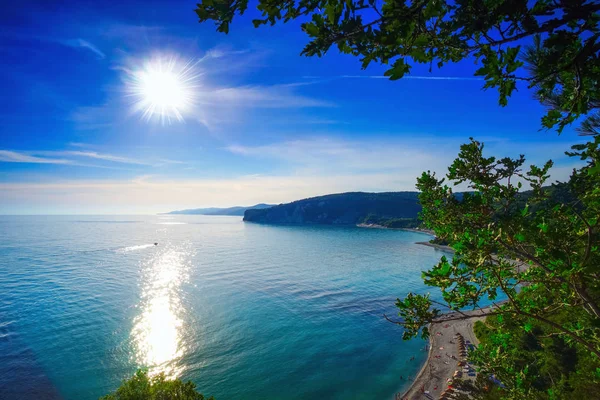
442 247
444 356
377 226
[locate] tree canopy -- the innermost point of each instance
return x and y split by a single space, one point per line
141 386
542 253
542 256
550 45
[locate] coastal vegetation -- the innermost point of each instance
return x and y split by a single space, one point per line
541 254
555 369
342 209
141 386
392 223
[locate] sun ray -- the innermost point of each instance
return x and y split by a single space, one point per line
164 88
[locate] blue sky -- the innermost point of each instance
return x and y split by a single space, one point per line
265 124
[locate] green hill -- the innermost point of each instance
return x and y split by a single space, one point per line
342 209
388 209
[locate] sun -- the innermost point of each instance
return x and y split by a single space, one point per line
163 89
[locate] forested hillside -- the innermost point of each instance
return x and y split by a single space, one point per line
341 209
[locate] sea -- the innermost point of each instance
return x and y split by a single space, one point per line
245 311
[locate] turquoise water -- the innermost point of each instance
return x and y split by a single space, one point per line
246 311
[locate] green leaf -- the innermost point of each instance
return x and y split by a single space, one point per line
311 29
543 227
398 70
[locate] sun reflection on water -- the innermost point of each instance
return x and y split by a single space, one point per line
157 330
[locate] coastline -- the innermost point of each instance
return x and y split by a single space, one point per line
377 226
425 231
444 356
437 246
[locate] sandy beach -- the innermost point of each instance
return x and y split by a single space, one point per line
437 246
377 226
444 357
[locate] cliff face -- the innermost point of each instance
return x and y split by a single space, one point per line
340 209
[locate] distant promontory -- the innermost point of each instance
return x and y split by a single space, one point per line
238 210
389 209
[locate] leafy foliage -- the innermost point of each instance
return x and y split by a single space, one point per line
158 387
394 223
541 251
551 45
547 367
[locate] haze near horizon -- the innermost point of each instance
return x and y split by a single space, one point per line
141 110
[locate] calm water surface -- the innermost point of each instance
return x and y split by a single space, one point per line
246 311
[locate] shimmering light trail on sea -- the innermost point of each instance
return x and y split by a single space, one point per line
246 311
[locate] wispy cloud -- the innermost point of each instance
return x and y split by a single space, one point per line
277 96
423 77
221 52
153 194
402 158
418 77
68 157
124 31
214 105
167 161
94 155
320 155
84 44
304 168
16 157
72 42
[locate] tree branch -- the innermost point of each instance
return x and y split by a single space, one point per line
565 331
544 28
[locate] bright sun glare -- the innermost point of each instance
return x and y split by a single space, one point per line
163 88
